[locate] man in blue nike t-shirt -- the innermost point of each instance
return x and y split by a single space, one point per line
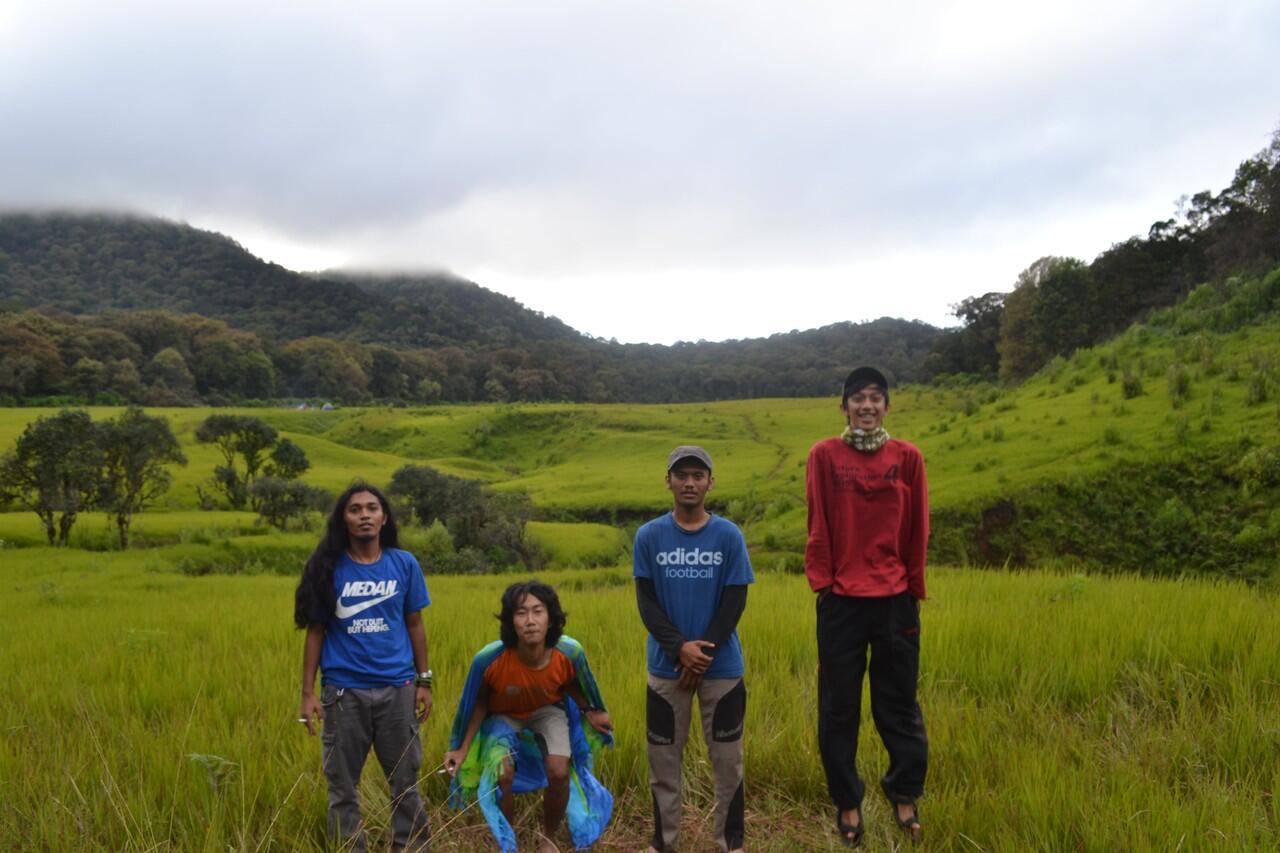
360 600
692 570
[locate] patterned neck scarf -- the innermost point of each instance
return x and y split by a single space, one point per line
867 442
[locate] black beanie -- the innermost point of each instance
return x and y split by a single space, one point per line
860 378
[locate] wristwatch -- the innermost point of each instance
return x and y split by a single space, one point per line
423 679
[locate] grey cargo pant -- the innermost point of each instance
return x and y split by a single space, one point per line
382 717
723 705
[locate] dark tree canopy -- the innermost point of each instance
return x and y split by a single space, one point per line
53 470
288 461
237 436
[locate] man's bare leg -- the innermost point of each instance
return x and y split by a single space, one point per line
554 801
504 785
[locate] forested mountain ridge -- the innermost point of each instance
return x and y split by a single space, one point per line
114 309
90 263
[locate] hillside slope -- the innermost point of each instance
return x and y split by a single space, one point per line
88 264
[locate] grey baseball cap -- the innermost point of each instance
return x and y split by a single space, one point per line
688 451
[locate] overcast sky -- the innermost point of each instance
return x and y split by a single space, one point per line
648 171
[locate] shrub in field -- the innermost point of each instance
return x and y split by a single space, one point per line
1213 405
1257 469
491 525
1255 392
1181 430
271 557
432 545
1254 541
1179 379
1054 368
279 501
1131 385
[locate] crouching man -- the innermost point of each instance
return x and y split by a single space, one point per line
519 724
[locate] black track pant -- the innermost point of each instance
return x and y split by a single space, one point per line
890 627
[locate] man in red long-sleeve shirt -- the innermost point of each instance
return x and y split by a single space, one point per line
868 532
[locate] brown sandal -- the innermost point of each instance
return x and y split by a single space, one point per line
911 825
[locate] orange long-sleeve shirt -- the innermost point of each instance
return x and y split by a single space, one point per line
868 519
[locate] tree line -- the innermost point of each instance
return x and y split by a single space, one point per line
158 358
1061 304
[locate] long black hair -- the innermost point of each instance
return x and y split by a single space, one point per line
511 600
314 600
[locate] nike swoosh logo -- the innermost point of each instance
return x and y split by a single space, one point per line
343 611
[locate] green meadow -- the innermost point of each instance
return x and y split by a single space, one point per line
151 710
151 694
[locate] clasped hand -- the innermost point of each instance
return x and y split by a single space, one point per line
694 661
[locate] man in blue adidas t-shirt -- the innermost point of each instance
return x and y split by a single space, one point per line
359 600
692 570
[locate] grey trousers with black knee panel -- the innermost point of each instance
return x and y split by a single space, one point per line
722 703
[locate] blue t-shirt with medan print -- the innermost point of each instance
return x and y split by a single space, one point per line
689 571
366 643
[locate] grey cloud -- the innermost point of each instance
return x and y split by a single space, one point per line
677 134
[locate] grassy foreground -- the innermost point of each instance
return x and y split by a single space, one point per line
148 710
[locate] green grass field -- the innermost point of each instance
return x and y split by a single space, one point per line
148 710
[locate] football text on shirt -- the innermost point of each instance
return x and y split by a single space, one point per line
689 563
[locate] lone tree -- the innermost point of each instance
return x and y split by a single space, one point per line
136 447
54 470
237 435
